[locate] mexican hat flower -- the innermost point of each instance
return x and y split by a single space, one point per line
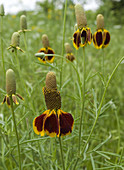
11 88
82 35
15 41
69 54
101 37
47 50
54 121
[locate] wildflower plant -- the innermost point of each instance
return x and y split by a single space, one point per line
54 121
23 24
101 37
9 99
47 50
82 35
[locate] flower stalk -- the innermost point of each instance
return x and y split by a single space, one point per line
17 138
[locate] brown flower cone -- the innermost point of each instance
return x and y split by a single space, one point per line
100 21
80 16
52 99
45 41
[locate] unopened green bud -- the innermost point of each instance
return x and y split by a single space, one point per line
45 41
15 39
80 16
100 21
2 10
23 22
68 48
10 82
51 81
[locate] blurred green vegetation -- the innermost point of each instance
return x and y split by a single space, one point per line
107 141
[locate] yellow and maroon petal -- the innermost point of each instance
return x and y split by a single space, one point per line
42 59
4 100
66 122
98 39
106 38
89 35
8 101
77 39
83 37
14 99
51 125
38 123
50 59
18 95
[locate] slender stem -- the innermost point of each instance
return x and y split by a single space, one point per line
99 111
63 42
82 116
2 45
17 138
17 61
25 41
103 58
61 150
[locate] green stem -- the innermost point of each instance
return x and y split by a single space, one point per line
82 101
63 43
2 45
17 138
25 41
103 57
61 150
99 111
17 61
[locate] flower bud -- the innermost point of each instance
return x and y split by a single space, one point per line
68 48
51 81
15 39
23 22
2 10
80 16
10 82
45 41
100 21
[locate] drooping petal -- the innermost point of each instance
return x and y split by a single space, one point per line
38 123
66 122
14 99
50 59
18 95
106 38
8 101
77 39
42 59
98 39
4 100
83 37
51 125
89 35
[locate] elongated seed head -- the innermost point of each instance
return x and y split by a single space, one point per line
45 41
15 39
68 48
80 16
51 81
23 22
100 21
10 82
2 10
